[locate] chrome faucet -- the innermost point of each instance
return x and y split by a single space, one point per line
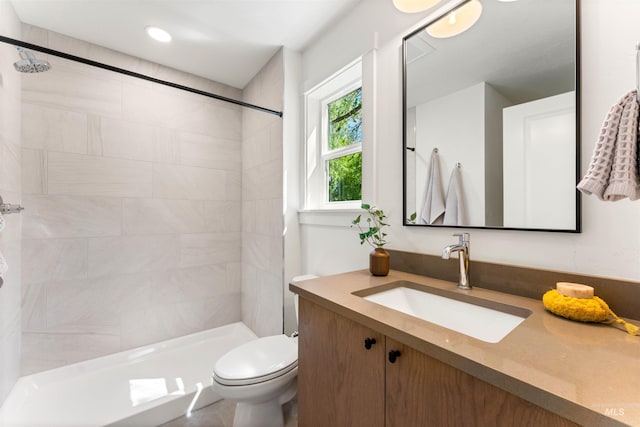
462 247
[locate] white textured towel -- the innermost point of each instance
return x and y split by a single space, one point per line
433 205
613 170
454 212
3 268
2 222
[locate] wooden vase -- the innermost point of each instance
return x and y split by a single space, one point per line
379 262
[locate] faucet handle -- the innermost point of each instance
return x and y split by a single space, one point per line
464 237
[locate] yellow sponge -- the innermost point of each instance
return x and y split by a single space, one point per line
583 309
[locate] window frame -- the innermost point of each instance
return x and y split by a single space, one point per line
327 154
316 135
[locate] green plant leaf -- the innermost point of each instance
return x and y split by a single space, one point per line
372 233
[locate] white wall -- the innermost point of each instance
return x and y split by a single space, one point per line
438 126
262 200
10 183
292 164
610 242
369 23
476 146
493 145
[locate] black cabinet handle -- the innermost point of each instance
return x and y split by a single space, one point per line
368 342
393 355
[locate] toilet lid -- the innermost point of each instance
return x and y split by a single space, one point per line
256 361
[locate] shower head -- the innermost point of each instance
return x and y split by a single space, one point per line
29 63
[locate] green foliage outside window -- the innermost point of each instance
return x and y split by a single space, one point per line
345 128
345 178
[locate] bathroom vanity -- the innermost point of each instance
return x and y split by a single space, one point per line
365 364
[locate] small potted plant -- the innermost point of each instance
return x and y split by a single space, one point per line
371 232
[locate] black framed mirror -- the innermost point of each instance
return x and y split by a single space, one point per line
491 120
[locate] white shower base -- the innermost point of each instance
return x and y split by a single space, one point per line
145 386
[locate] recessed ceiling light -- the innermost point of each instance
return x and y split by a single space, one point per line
158 34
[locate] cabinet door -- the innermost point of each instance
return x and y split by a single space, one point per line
340 382
422 391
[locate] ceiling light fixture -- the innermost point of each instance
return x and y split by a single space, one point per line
158 34
457 21
413 6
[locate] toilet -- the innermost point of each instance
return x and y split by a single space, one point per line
260 376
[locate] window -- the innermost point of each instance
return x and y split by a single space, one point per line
334 141
343 151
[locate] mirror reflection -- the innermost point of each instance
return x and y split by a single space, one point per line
490 134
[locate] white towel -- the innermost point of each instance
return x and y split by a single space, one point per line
454 212
433 205
2 222
3 268
613 173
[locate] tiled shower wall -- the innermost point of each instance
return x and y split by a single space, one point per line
10 238
262 204
132 194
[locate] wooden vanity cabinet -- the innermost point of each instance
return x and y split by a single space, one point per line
341 383
422 391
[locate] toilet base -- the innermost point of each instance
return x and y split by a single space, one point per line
264 414
267 414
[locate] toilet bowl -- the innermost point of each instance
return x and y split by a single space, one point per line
260 376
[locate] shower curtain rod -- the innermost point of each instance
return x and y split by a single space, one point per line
70 57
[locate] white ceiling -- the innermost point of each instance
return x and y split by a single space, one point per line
524 49
227 41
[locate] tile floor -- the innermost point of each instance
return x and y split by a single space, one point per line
220 414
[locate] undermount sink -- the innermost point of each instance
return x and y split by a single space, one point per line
482 319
